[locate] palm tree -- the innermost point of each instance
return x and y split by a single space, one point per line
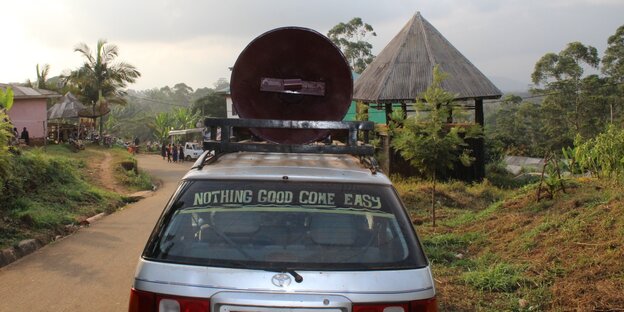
100 80
42 78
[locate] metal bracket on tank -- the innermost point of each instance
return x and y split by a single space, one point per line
292 86
225 127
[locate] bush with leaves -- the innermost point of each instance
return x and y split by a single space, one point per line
602 156
426 140
6 102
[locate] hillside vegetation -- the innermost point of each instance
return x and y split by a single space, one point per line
493 249
496 250
48 192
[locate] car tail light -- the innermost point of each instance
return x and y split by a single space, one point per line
142 301
427 305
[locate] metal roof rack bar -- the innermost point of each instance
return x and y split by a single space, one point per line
352 146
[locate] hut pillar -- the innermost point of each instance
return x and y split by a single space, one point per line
386 140
480 146
404 109
388 107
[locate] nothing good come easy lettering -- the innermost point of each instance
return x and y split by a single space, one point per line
221 197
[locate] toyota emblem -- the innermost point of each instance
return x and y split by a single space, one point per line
281 280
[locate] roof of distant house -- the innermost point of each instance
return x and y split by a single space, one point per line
225 90
21 92
403 70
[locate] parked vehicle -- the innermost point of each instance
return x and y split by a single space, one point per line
270 231
289 225
192 150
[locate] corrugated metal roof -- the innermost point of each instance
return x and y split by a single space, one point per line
403 70
21 92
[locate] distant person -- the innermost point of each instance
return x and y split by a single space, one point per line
163 151
181 153
169 153
15 136
175 153
136 145
25 136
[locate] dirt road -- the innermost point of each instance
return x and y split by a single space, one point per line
91 270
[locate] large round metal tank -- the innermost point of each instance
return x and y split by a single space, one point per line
291 73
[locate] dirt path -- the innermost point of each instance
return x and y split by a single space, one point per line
106 175
101 173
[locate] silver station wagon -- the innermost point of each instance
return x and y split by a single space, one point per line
298 222
284 232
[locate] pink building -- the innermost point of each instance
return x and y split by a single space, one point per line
30 110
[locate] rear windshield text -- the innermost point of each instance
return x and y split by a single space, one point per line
282 197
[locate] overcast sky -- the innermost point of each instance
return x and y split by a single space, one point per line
195 41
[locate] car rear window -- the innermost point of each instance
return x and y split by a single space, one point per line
286 225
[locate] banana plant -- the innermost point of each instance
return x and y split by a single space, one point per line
6 99
6 102
163 122
184 119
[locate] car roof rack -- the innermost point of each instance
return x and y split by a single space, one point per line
225 142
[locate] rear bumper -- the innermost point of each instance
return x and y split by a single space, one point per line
359 286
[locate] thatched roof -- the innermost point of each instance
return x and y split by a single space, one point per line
403 70
67 107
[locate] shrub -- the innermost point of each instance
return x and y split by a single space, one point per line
130 175
603 155
501 277
444 248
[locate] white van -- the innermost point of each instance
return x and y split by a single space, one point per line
192 150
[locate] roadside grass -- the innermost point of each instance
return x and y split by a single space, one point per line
127 172
48 191
498 277
501 250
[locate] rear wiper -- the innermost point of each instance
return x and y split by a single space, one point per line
298 278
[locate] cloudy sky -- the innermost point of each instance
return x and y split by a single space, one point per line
195 41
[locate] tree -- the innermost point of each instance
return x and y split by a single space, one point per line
129 121
221 84
426 140
515 129
613 60
613 68
179 118
211 105
351 39
42 78
183 118
101 80
161 125
564 106
182 93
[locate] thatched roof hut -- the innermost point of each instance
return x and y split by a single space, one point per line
404 70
